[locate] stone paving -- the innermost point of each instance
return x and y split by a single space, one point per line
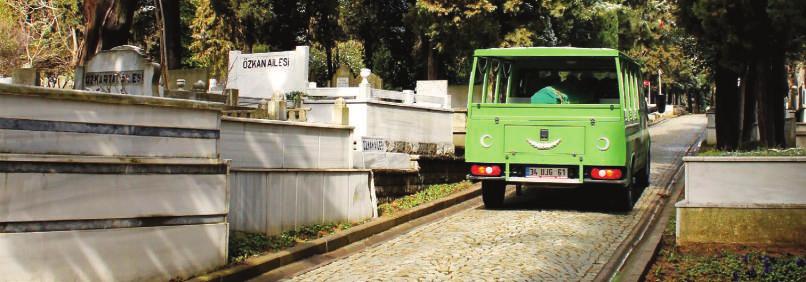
543 235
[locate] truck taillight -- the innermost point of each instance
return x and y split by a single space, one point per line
606 173
485 170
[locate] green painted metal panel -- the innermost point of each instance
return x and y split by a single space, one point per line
591 134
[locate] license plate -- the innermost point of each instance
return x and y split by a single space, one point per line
546 172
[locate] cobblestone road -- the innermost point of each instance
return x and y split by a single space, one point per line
555 235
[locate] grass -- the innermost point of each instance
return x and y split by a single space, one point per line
243 245
429 194
725 262
792 152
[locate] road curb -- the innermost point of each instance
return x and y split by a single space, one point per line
255 266
616 262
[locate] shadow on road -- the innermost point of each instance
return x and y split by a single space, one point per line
587 198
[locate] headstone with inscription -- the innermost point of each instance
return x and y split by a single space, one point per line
260 75
121 70
342 77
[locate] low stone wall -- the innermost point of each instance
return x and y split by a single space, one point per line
258 143
401 128
289 174
272 201
759 200
105 187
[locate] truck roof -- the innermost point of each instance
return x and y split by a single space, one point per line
546 51
550 52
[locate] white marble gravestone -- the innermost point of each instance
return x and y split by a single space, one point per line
432 88
121 70
260 75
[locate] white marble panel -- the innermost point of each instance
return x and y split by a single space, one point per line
266 145
746 183
57 196
37 108
290 200
336 198
70 143
310 198
127 254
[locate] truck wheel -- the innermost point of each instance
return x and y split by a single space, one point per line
492 193
624 198
643 177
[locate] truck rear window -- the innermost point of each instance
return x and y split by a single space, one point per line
575 80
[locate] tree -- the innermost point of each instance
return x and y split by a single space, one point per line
107 25
449 31
213 37
39 33
751 40
325 29
387 39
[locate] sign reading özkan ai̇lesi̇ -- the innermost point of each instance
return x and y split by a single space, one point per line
260 75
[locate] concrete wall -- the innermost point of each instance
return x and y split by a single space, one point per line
104 187
255 143
124 254
289 174
271 201
745 180
404 128
743 200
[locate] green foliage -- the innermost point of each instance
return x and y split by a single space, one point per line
212 39
429 194
243 245
731 266
349 53
40 34
10 41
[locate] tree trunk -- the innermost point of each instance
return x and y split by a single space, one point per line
747 104
107 24
770 89
116 30
329 59
727 109
431 65
173 33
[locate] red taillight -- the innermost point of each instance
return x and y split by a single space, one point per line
606 173
485 170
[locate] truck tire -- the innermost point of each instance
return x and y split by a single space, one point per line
643 176
624 198
492 193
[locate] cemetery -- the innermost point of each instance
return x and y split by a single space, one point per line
177 167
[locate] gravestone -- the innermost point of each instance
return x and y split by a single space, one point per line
191 76
121 70
261 75
432 88
342 77
375 81
435 93
25 76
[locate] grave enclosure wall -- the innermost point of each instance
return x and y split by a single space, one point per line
289 174
107 187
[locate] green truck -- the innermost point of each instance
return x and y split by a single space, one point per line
557 117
